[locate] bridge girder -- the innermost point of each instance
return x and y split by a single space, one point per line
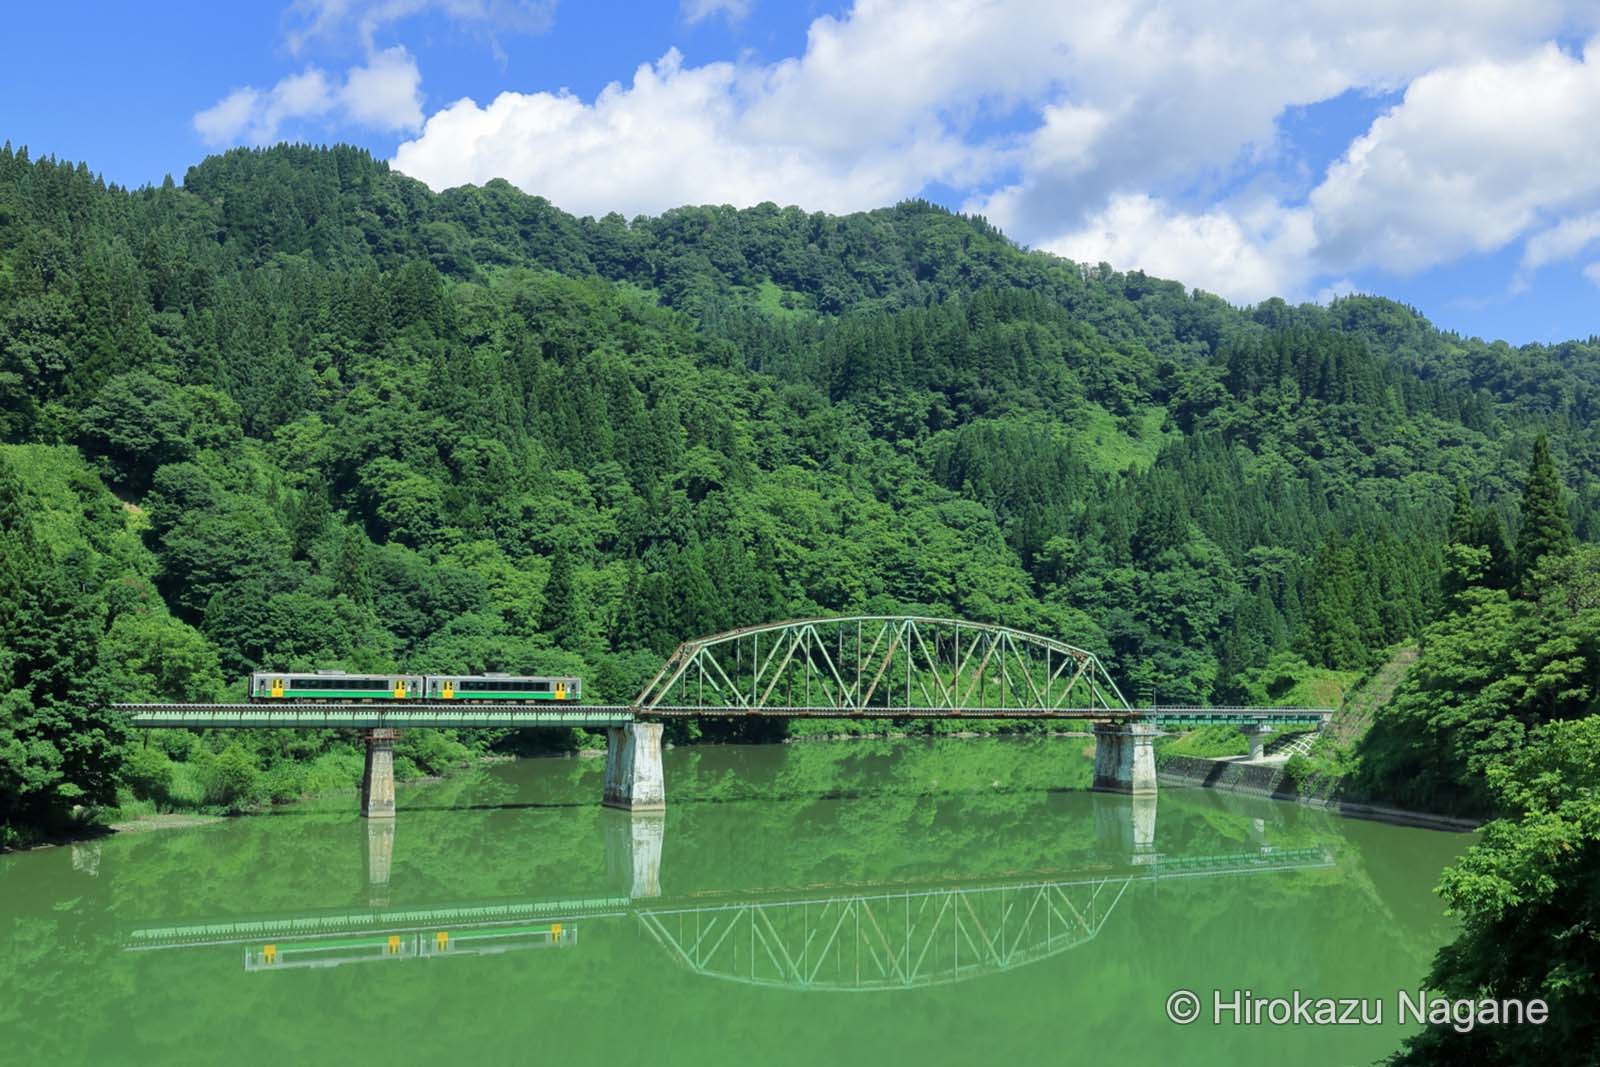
867 664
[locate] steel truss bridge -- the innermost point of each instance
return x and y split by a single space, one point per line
847 938
859 666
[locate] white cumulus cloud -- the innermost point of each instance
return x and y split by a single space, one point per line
1104 131
675 136
383 94
1476 156
1247 256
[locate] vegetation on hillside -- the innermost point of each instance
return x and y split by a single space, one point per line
300 411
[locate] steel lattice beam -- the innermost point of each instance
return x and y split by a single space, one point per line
882 664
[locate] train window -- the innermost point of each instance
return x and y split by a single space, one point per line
541 687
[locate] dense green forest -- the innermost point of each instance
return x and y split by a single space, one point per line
301 411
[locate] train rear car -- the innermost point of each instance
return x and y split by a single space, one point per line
499 688
334 686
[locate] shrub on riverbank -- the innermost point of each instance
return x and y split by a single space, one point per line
1526 896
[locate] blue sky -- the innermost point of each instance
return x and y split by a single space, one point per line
1437 152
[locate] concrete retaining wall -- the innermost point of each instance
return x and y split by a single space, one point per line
1268 781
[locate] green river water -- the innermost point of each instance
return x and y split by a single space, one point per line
881 903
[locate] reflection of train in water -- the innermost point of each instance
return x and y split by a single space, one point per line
468 688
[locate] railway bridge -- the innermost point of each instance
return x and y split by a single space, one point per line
878 667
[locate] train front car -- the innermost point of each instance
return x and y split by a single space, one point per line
334 686
501 688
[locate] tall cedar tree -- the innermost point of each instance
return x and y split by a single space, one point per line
559 617
1545 529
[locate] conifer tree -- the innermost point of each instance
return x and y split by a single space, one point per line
1463 519
559 617
1545 529
1491 535
350 567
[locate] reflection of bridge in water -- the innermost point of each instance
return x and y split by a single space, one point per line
848 936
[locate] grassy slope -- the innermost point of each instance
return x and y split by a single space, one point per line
1331 762
1354 717
1103 442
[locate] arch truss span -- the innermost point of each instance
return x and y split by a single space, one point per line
882 665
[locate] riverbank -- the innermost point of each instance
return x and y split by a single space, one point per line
1273 783
170 820
134 815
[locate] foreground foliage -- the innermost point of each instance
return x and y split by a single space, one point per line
1528 896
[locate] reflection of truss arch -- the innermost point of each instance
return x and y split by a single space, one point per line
866 663
850 938
887 941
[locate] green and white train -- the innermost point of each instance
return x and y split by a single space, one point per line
337 686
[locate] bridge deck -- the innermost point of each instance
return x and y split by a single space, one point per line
299 715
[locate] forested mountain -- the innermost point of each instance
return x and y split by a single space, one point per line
301 411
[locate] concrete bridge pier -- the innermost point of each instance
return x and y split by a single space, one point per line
377 778
1124 761
634 781
1257 736
633 851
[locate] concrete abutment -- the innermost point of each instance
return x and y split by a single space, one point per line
634 781
377 777
1124 759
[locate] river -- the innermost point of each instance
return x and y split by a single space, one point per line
867 902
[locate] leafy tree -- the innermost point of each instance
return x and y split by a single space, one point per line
232 778
149 657
137 423
1526 899
57 749
147 772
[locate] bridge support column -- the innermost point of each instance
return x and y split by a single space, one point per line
1124 762
377 778
633 768
633 852
1257 736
